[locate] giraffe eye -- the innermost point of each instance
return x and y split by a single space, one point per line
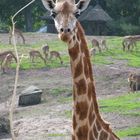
53 14
77 14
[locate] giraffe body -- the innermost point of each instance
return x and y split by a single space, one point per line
87 121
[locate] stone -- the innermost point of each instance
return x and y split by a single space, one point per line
30 96
4 125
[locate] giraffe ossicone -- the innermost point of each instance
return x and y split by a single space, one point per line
87 121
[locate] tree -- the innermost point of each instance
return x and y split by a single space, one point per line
25 20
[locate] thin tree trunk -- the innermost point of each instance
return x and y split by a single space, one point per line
28 19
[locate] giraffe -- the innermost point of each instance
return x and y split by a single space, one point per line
87 123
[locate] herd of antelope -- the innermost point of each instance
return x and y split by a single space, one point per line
128 44
6 57
98 44
48 55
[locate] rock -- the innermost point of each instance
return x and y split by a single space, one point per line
4 125
30 96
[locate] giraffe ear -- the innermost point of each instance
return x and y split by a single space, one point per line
82 5
48 4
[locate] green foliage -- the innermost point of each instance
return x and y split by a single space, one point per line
125 15
129 28
29 17
3 27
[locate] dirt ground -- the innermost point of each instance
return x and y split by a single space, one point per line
41 122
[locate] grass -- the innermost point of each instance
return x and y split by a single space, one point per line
129 132
68 113
65 100
56 135
26 64
59 91
105 58
126 104
115 53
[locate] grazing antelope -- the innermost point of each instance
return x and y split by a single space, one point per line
95 43
6 62
18 32
34 54
55 54
4 54
45 50
103 44
6 59
92 51
100 44
134 82
129 42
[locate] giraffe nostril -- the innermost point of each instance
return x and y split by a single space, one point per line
62 30
68 29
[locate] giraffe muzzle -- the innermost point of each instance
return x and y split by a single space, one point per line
65 30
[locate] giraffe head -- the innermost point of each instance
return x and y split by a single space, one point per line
64 13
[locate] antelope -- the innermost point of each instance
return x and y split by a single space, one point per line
6 62
17 32
129 42
52 54
100 44
134 81
103 44
35 53
92 51
4 54
6 59
95 43
55 54
45 50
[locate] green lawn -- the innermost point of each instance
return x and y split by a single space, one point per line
106 57
115 52
126 104
129 132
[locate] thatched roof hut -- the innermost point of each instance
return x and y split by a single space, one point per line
94 19
95 14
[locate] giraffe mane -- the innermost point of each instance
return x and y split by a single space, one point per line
65 6
70 1
105 124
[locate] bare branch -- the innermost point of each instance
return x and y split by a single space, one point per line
17 72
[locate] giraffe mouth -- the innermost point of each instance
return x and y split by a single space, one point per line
64 37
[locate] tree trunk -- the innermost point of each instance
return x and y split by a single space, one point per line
28 19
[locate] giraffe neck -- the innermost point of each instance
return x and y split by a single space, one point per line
87 122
